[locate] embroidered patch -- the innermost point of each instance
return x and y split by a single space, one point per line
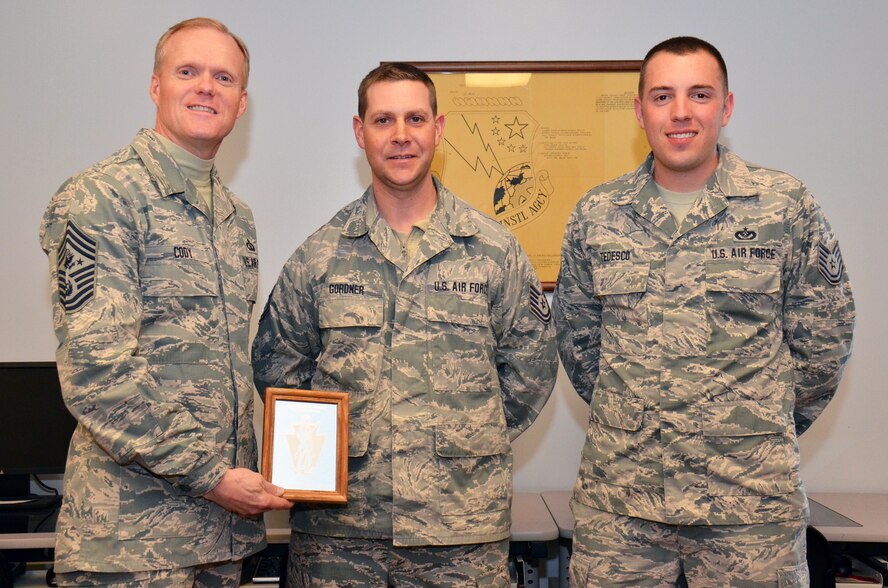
76 268
614 256
539 306
745 234
830 263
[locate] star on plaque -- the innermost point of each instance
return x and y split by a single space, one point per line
516 128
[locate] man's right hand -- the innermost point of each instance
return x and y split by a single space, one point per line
247 493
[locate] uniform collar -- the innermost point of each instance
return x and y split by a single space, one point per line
731 179
451 215
170 180
451 218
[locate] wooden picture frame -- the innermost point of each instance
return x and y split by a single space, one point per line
525 140
305 444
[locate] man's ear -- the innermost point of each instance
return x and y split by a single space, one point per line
358 126
154 89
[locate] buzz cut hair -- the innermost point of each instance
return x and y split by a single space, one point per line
395 72
683 46
201 23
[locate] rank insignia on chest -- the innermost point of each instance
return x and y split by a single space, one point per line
76 268
830 263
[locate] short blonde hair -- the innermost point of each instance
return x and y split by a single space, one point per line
201 23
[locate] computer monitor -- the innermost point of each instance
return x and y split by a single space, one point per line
36 426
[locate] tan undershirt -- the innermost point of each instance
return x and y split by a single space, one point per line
409 240
194 168
679 203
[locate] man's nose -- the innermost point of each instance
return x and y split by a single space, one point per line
400 134
205 83
680 108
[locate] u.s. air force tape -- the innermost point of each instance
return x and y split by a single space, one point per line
539 306
76 268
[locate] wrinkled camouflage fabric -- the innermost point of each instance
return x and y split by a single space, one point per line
444 357
702 349
153 363
329 562
224 575
615 550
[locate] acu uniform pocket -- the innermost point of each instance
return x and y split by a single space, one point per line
460 342
742 300
350 331
749 451
616 444
624 317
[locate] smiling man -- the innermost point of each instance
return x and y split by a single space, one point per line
430 316
704 312
153 263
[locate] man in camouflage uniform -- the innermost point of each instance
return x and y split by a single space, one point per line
430 316
156 270
704 312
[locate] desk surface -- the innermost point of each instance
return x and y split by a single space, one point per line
27 540
834 515
868 511
558 504
531 520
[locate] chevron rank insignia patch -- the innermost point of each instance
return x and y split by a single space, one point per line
539 306
76 268
830 263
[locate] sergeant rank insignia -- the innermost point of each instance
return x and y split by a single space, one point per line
539 307
76 268
830 263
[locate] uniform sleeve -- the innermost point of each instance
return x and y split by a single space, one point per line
288 342
526 359
577 312
818 311
90 235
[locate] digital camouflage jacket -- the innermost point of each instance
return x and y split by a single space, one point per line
151 307
446 358
703 349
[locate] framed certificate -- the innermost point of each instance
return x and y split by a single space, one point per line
525 140
305 445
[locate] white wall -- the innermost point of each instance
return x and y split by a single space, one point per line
810 84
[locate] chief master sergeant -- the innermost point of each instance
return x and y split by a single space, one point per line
430 316
704 312
154 267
